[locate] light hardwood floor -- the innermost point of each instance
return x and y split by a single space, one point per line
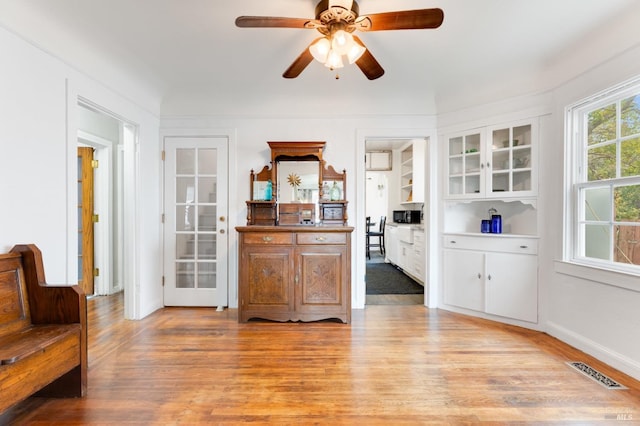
393 365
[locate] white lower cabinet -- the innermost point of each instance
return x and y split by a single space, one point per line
492 274
463 279
405 248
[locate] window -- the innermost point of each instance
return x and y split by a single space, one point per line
604 180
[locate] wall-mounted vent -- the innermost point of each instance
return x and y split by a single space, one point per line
596 376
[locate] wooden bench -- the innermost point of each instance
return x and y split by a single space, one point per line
43 332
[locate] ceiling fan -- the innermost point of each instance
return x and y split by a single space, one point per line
336 20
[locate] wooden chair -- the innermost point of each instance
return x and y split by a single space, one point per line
376 234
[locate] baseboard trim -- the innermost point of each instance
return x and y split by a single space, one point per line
604 354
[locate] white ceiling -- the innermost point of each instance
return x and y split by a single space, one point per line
186 49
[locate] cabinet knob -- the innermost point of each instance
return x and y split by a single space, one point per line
479 276
523 247
452 241
489 277
267 238
321 238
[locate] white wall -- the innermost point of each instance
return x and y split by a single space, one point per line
345 136
598 318
33 160
38 142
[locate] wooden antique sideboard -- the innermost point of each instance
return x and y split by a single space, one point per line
295 252
295 273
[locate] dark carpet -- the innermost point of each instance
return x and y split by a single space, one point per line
384 278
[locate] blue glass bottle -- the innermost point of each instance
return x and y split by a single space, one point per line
268 191
496 224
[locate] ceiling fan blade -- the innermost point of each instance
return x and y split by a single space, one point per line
368 64
270 22
401 20
300 63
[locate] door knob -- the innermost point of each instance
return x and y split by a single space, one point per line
221 219
222 231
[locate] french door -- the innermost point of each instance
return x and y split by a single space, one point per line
195 225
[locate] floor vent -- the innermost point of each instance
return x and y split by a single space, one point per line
595 375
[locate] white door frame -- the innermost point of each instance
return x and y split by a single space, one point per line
430 212
130 182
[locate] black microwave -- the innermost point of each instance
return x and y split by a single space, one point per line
406 216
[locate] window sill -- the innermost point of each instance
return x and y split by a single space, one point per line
624 280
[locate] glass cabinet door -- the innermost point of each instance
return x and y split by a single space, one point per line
511 160
465 165
493 162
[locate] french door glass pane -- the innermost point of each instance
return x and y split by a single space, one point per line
206 275
206 247
185 189
207 161
207 218
185 161
185 275
184 246
206 189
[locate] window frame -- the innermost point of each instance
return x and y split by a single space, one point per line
576 181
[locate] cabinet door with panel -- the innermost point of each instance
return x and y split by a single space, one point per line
464 279
512 286
320 290
322 268
266 279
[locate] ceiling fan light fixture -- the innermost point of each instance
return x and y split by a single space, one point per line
355 52
320 50
334 60
341 42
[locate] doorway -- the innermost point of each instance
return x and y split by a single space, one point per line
389 186
100 140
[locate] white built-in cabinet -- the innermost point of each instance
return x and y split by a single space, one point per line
492 167
492 162
496 275
412 172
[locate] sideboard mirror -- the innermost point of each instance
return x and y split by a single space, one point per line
297 188
298 181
